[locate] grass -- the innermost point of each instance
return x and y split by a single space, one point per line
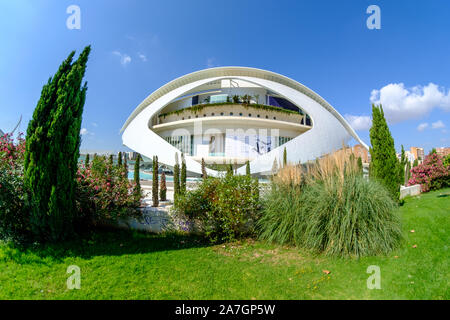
130 265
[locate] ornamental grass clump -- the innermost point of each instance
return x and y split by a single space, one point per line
329 207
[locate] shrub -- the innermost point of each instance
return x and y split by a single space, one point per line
104 193
446 161
431 174
14 218
225 207
330 207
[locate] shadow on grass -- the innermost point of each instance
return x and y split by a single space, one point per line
104 242
443 195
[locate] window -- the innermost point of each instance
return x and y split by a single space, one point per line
274 118
212 114
267 117
240 114
231 113
257 116
221 113
249 114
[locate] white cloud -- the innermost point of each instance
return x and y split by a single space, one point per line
124 58
359 122
211 62
142 56
422 126
438 125
84 131
400 103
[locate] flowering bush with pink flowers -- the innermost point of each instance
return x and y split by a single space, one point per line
431 174
104 193
13 213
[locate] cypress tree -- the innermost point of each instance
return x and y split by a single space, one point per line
86 162
183 175
204 175
163 187
137 179
402 174
52 150
176 178
229 169
408 173
247 168
415 163
360 165
125 163
275 167
111 161
119 159
284 157
384 159
155 183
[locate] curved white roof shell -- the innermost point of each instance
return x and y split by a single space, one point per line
328 133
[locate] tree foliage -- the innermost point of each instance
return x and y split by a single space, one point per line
155 202
384 164
52 150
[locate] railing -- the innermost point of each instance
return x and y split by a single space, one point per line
253 111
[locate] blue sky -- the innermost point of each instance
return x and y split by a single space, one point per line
138 46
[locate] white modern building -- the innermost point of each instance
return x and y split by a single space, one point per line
234 115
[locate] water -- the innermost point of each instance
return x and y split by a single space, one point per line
149 176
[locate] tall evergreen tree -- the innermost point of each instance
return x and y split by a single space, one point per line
229 169
137 178
415 163
86 161
119 159
125 163
163 187
176 178
360 165
155 183
52 150
247 168
284 157
204 175
384 159
183 175
111 159
402 167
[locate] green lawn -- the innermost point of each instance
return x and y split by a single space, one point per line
128 265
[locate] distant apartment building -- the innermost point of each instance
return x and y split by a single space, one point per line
362 152
443 152
132 155
418 153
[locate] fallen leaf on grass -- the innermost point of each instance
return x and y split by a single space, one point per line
326 271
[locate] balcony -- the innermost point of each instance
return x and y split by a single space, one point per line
248 114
